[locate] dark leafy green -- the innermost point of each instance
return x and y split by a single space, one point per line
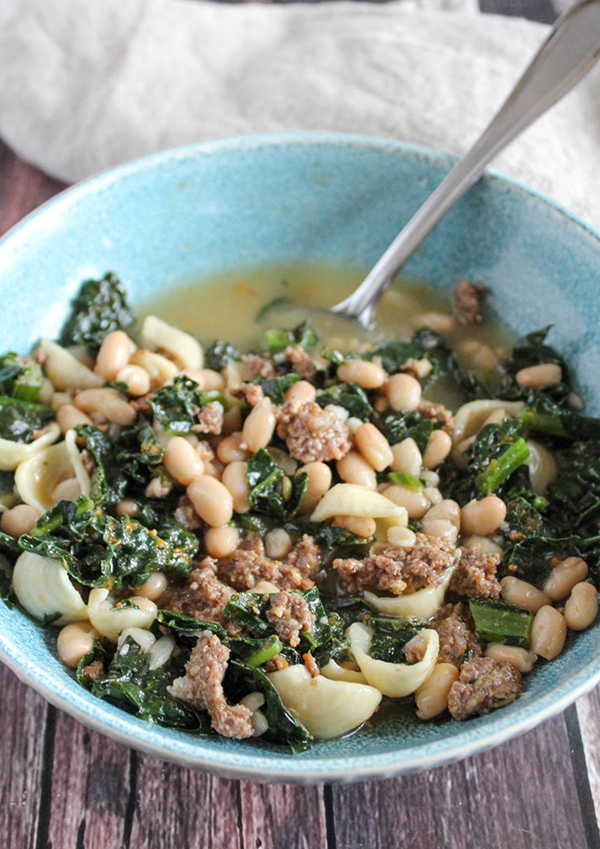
283 727
99 308
131 684
390 636
97 549
275 387
499 622
270 491
399 426
19 378
276 340
176 407
20 419
350 396
217 355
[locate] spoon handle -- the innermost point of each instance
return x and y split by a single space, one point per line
571 49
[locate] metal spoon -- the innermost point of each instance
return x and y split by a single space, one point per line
569 52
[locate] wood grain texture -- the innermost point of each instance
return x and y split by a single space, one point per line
22 739
283 816
91 782
520 795
588 714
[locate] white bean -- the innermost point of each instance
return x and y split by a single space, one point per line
302 391
582 607
367 375
522 594
235 478
432 695
319 481
221 542
520 658
278 543
374 447
403 392
438 448
154 587
360 526
354 469
212 501
181 461
548 633
415 503
108 402
537 377
483 517
18 520
69 417
113 355
259 427
136 378
74 642
564 576
230 449
407 457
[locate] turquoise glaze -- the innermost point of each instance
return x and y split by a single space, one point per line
305 197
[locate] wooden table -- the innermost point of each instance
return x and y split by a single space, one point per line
64 787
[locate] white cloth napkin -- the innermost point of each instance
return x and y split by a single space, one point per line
85 85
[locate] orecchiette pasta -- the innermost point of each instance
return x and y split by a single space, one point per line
336 672
37 478
422 604
392 679
44 588
109 621
543 468
326 708
348 499
470 417
66 371
186 350
13 453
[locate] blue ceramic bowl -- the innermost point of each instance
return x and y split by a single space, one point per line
215 207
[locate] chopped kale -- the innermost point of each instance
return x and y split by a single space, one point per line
249 611
187 625
176 407
270 491
500 622
131 684
276 340
20 379
532 350
574 497
275 387
390 637
394 354
532 558
98 550
350 396
254 652
404 479
7 594
217 355
324 534
99 308
399 426
241 679
497 452
19 420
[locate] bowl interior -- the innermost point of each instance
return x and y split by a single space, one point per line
330 199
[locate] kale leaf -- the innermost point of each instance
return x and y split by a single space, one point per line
217 355
275 387
98 550
350 396
99 308
241 679
390 637
399 426
7 594
276 340
270 491
20 379
497 452
20 419
176 407
132 685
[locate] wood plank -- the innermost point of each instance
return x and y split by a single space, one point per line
23 715
588 713
22 188
522 794
179 807
90 779
277 816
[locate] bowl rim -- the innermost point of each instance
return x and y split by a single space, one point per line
284 768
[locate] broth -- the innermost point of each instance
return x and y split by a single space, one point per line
232 306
